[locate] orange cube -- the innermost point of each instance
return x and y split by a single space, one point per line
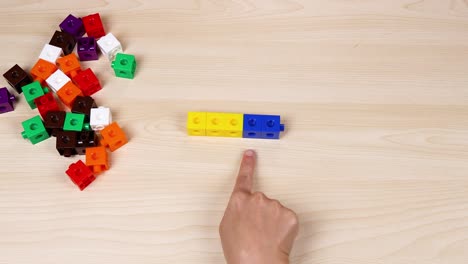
96 159
68 94
42 70
113 137
70 65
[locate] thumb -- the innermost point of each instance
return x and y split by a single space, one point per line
244 181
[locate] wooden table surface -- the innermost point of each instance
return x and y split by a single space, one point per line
374 160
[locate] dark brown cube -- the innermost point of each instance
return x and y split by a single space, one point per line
83 105
54 121
86 139
17 78
66 143
64 41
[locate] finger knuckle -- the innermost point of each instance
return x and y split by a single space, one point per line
292 216
238 199
240 196
276 203
259 196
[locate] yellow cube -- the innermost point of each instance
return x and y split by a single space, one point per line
233 125
224 124
196 123
214 124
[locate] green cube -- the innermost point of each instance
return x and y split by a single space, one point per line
34 130
124 65
32 91
74 122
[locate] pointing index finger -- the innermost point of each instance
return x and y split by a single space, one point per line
245 177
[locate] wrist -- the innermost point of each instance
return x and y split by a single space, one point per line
259 262
258 259
284 260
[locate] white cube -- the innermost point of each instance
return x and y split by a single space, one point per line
109 46
50 53
100 118
57 80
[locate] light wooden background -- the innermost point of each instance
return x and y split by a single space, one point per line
374 95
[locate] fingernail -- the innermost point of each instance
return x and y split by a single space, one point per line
249 153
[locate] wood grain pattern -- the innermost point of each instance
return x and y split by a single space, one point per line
375 99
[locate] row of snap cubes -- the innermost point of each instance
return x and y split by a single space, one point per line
234 125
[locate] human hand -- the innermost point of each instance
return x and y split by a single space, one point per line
256 229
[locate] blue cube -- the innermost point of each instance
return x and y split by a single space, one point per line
252 126
271 126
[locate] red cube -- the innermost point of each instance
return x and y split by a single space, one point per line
80 174
93 26
46 103
87 82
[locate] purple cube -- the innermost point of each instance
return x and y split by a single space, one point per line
87 49
6 100
73 26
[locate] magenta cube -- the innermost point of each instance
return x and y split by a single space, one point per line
6 101
87 49
73 26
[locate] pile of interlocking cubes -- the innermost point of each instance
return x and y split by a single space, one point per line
86 129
